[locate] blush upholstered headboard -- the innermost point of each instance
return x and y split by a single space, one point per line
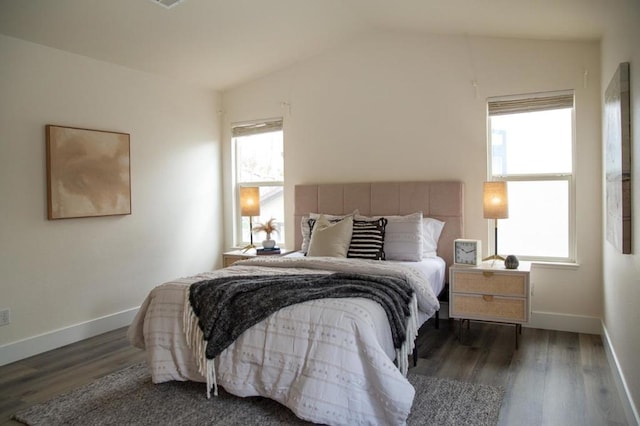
441 200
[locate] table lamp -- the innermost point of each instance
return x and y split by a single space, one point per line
250 206
496 206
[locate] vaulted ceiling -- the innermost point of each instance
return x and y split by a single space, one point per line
222 43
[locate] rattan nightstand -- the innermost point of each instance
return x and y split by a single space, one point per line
490 293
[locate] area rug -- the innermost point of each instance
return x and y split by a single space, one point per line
128 397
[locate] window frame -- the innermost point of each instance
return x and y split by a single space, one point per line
238 218
570 178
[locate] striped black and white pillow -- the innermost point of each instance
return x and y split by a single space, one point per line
367 239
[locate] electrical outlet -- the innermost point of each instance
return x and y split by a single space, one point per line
5 318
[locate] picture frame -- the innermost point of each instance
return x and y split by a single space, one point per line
88 172
618 160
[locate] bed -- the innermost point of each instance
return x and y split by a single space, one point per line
330 360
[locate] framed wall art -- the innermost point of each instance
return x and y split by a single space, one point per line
618 160
88 173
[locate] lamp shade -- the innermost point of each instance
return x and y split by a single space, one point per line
496 204
249 201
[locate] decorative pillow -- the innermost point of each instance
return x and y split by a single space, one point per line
306 229
431 230
306 233
331 239
402 237
312 222
367 239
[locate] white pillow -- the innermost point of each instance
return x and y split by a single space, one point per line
402 237
431 230
306 231
331 239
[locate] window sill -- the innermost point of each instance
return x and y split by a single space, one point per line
556 265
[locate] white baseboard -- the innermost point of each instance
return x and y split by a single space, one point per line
630 410
25 348
552 321
565 322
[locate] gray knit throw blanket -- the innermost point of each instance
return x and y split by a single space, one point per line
227 306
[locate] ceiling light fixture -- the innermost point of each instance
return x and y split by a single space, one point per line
168 4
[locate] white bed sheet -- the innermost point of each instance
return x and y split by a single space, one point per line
434 268
330 361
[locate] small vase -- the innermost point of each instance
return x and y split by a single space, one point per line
268 244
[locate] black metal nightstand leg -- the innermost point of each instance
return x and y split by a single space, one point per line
518 331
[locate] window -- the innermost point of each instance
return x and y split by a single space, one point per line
531 147
259 162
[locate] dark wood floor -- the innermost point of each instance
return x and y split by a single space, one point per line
44 376
554 378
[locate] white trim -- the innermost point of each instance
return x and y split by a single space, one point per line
630 410
564 322
570 266
570 177
30 346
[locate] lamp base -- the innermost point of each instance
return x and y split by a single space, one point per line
493 257
247 248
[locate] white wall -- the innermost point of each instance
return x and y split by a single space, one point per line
65 279
391 106
622 272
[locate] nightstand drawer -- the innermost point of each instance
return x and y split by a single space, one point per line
504 284
488 307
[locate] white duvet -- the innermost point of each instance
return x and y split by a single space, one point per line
330 361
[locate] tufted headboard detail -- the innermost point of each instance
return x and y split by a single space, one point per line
441 200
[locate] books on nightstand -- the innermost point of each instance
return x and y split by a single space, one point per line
263 251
